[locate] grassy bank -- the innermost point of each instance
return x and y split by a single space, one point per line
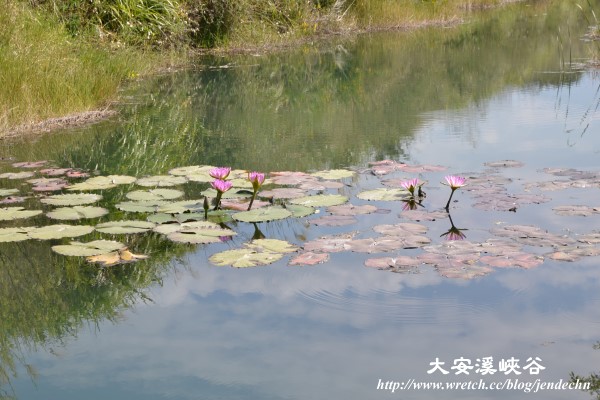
59 57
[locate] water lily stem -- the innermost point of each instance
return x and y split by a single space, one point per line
251 201
218 200
449 199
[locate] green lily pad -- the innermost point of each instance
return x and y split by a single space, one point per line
154 194
163 218
179 207
384 194
10 213
140 206
161 181
274 245
102 182
243 258
8 192
15 234
71 199
124 227
263 214
191 170
94 248
17 175
200 236
334 174
320 200
168 228
60 231
77 212
300 211
334 220
283 193
350 209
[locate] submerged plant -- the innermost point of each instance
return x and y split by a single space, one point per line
454 182
257 179
221 187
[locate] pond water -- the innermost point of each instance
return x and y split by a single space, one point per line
504 102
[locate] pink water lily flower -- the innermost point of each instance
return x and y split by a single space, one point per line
410 185
257 179
454 181
221 186
220 172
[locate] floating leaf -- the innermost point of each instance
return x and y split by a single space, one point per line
55 171
13 200
124 227
582 211
532 235
230 194
504 164
17 175
300 211
320 185
77 174
191 170
283 193
384 194
243 258
402 264
161 180
15 234
334 220
387 243
30 164
262 214
162 218
154 194
60 231
418 215
320 200
199 232
94 248
48 184
77 212
401 229
140 206
330 244
10 213
274 245
71 199
242 204
309 258
179 207
8 192
121 256
334 174
102 182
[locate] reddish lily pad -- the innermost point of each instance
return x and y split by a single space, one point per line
334 220
419 215
401 229
581 211
350 209
30 164
329 244
283 193
55 171
309 258
402 264
291 178
504 164
13 200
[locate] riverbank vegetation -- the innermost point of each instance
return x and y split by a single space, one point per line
59 57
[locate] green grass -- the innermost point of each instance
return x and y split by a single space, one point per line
59 57
45 72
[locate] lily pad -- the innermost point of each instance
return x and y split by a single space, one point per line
246 257
320 200
17 175
191 169
140 206
504 164
71 199
194 232
274 245
124 227
55 171
15 234
384 194
94 248
283 193
291 178
387 243
161 181
262 214
163 218
179 207
13 199
30 164
102 182
320 185
418 215
122 256
154 194
582 211
403 264
334 174
10 213
8 192
309 258
77 212
334 220
401 229
60 231
330 244
230 194
300 211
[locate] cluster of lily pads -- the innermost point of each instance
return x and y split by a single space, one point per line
232 197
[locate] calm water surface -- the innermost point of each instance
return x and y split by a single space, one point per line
177 327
